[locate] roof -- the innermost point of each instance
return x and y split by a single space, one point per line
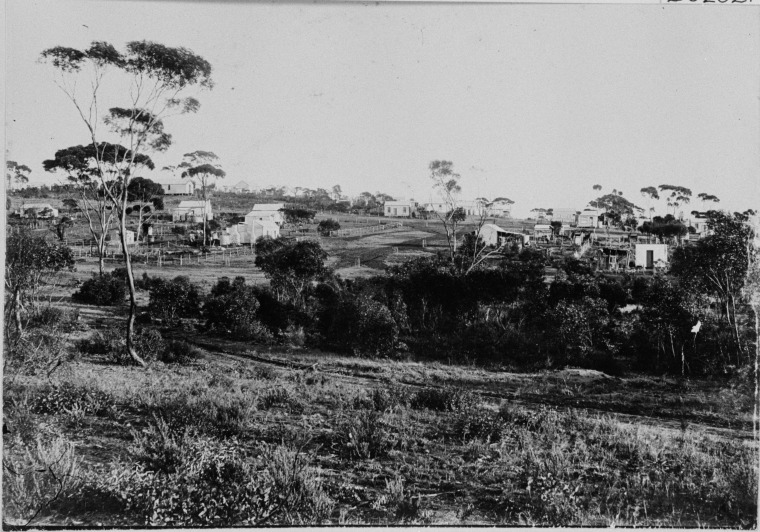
266 223
493 227
37 206
189 204
268 207
399 202
241 184
174 181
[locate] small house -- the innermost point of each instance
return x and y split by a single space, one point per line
590 217
266 212
241 187
115 240
403 209
192 211
38 210
177 187
565 215
493 235
251 230
542 230
501 208
649 256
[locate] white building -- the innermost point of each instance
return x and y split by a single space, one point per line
266 212
40 210
590 217
241 187
493 235
192 211
501 208
650 256
403 209
565 215
251 230
177 187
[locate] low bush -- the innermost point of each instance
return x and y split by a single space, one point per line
212 483
400 504
101 290
477 424
277 397
223 415
366 433
172 300
49 316
383 399
60 398
180 352
443 399
363 327
148 343
40 351
325 226
232 307
36 476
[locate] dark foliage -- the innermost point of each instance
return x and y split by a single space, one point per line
101 290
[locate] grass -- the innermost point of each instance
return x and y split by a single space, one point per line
366 451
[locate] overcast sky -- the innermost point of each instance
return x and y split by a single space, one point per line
534 102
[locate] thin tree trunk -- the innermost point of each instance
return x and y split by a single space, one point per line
131 285
17 310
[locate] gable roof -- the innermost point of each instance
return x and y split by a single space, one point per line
268 207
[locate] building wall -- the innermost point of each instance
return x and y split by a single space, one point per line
402 209
660 252
176 189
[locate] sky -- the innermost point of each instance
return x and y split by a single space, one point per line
537 103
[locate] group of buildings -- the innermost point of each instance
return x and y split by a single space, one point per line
264 219
413 209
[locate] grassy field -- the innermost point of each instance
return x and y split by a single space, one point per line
390 442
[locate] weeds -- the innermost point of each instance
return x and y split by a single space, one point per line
443 399
399 504
42 474
213 483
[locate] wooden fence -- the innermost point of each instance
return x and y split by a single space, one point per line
164 257
361 231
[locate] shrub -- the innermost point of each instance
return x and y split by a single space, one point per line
180 352
365 434
42 473
49 316
383 399
171 300
325 226
159 448
39 351
148 343
101 290
364 327
275 397
220 484
233 307
477 424
443 399
223 415
400 504
56 399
